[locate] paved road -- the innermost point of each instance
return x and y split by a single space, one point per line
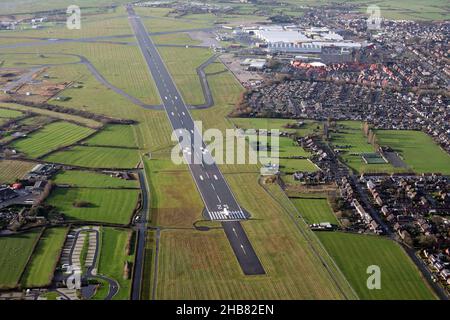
220 203
141 226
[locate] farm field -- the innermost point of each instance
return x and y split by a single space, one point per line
14 254
314 210
9 114
101 205
62 116
95 22
400 279
114 135
114 248
51 137
90 179
397 10
418 150
10 170
350 134
40 269
96 157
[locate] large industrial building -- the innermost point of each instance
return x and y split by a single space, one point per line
292 39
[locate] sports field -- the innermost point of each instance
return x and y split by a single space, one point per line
10 170
14 254
314 210
77 178
40 269
354 253
100 205
418 150
51 137
113 248
96 157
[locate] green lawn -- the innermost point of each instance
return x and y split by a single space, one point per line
354 253
114 243
289 148
97 157
293 165
51 137
79 178
418 150
14 254
104 205
114 135
314 210
39 271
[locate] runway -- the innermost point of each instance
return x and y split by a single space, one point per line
219 201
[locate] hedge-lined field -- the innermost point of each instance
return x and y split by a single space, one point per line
39 271
100 205
114 135
14 254
51 137
96 157
77 178
314 210
10 170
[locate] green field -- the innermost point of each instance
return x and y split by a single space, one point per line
10 170
14 254
418 150
51 137
114 242
293 165
307 128
96 157
39 271
57 115
353 253
9 114
314 210
182 64
114 135
351 134
90 179
103 205
175 201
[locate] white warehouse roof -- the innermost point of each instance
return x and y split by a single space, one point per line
281 36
